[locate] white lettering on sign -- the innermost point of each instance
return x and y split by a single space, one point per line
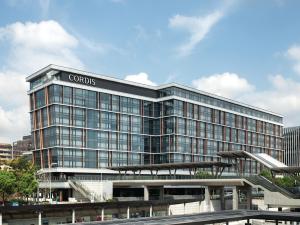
82 79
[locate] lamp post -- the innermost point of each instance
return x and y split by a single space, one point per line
51 166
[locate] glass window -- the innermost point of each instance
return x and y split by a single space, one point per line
67 95
124 123
40 98
79 117
104 118
93 119
55 94
105 101
77 138
136 124
115 103
90 159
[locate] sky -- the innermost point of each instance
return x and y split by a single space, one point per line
248 51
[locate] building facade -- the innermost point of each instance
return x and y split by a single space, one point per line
291 146
5 151
22 146
85 120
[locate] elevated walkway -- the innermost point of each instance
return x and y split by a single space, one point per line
263 158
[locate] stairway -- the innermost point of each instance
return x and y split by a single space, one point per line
86 194
268 185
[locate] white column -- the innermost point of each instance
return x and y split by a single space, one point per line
40 219
235 198
102 214
151 211
146 193
184 205
128 212
73 215
0 218
161 193
207 199
169 210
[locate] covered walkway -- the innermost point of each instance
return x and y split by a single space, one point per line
216 168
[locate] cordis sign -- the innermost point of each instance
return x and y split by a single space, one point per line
82 79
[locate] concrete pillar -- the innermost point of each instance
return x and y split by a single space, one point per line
249 197
40 218
0 218
169 210
207 199
184 206
235 198
161 193
38 195
73 216
60 196
146 193
151 211
102 214
222 198
128 212
248 222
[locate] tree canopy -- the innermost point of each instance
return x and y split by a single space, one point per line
7 184
19 180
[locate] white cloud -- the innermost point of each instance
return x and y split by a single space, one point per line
14 123
34 45
229 85
31 47
293 53
48 35
282 96
12 90
140 78
198 27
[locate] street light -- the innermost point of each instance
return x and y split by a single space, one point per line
51 166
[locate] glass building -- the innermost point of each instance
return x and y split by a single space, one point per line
85 120
291 146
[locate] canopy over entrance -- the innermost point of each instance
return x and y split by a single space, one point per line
191 166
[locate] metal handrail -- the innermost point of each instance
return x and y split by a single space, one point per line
264 182
137 177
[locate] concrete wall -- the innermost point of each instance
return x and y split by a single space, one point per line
188 208
103 189
276 199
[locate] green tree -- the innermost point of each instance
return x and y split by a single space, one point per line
27 184
24 171
7 184
21 164
267 174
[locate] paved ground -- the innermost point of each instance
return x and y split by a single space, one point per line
205 218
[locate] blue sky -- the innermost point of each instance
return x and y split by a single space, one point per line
245 50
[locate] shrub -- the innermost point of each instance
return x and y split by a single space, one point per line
203 175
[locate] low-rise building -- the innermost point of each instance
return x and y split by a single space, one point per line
5 151
22 146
